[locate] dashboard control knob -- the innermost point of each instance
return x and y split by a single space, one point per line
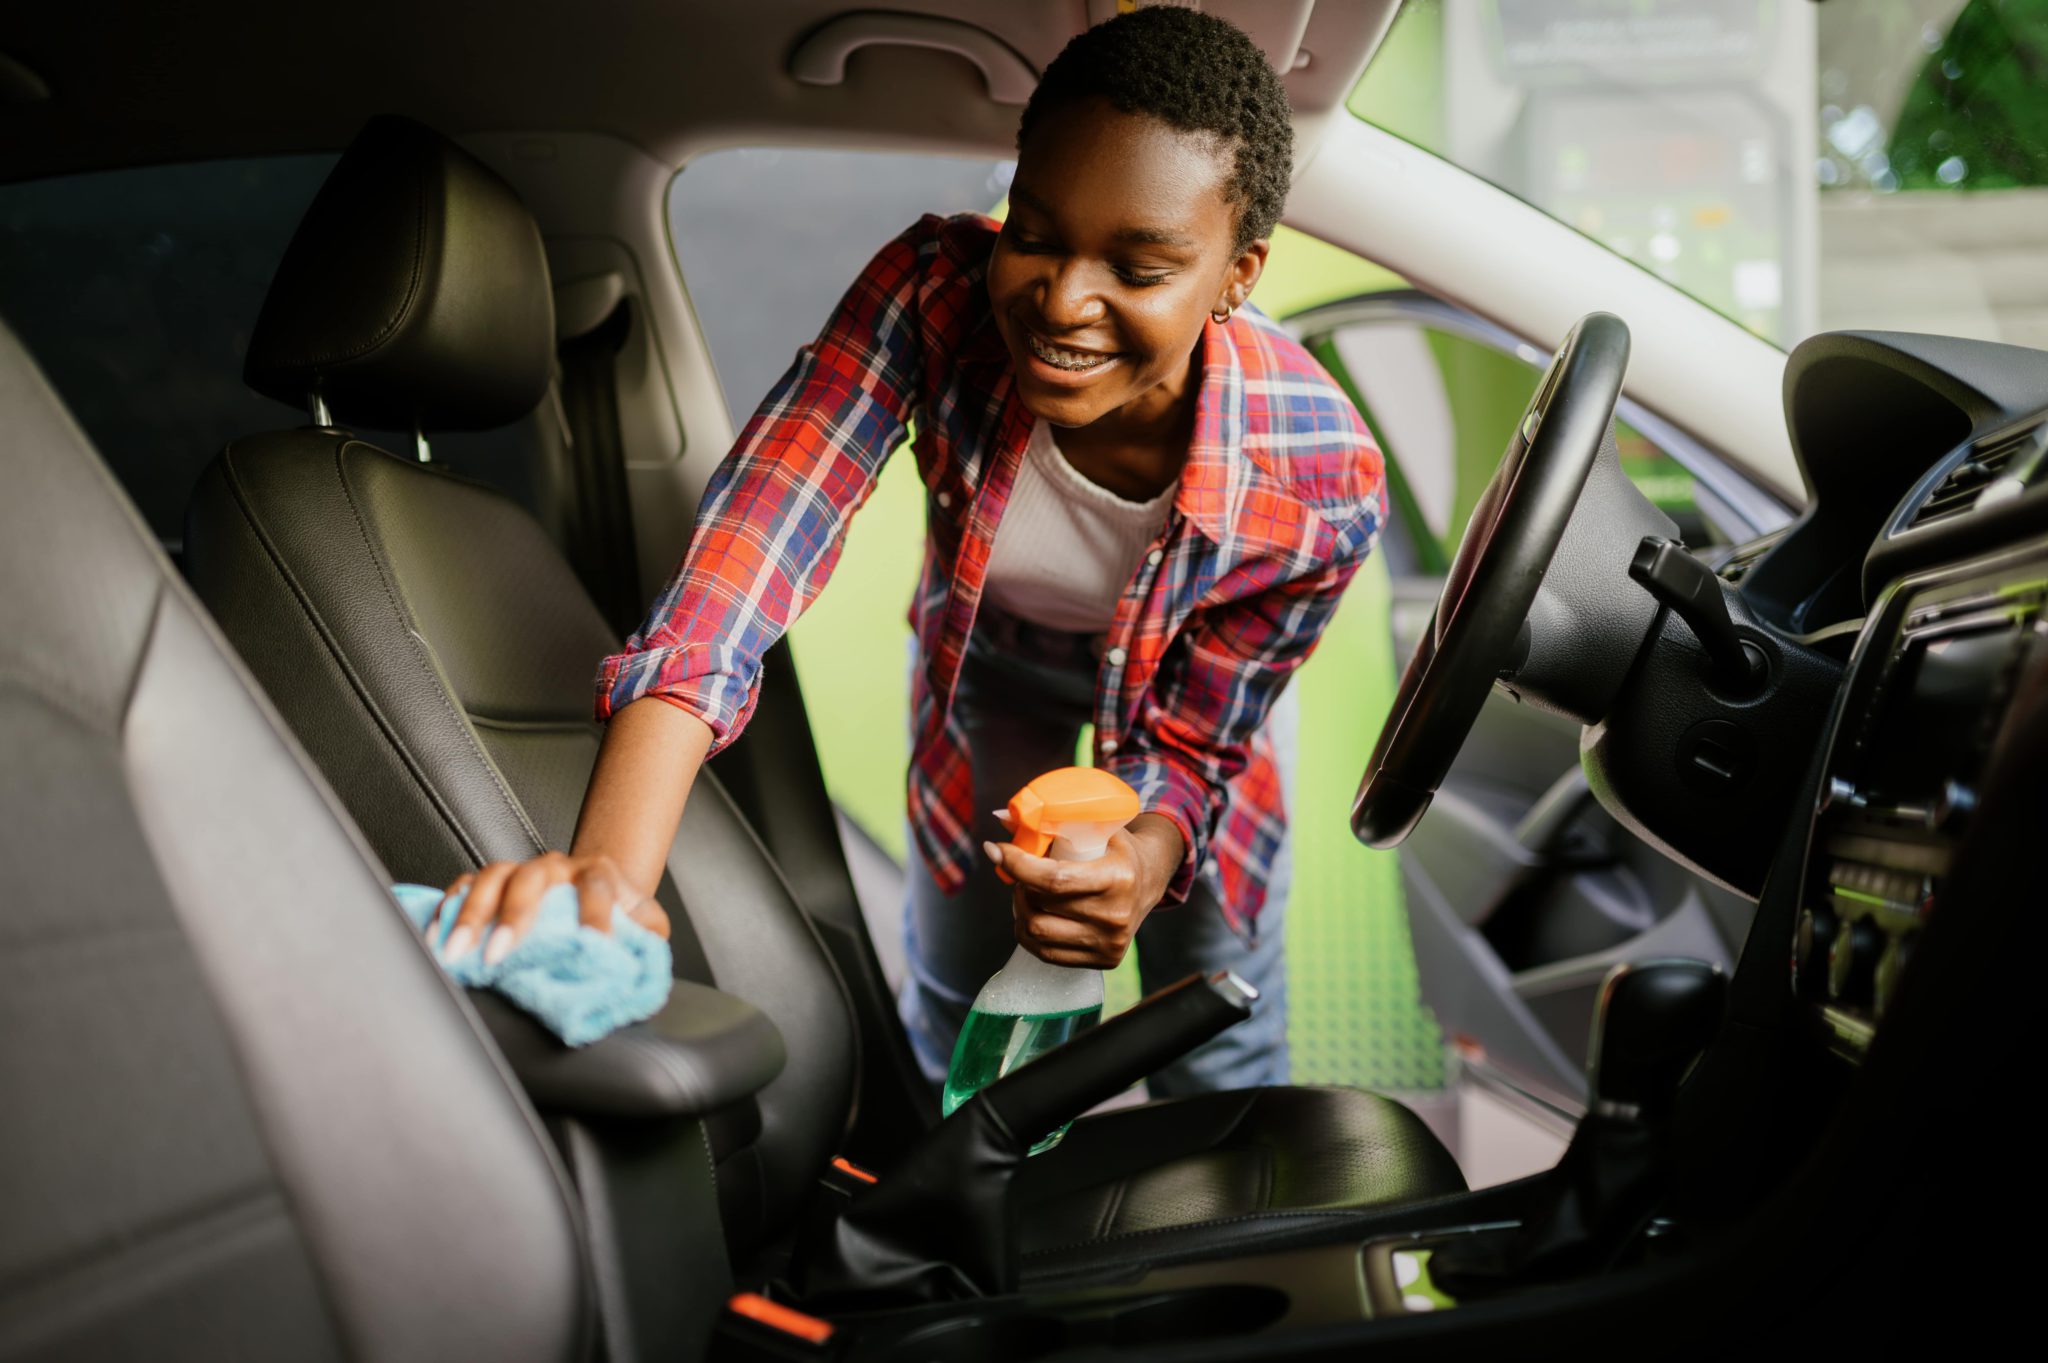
1852 963
1810 943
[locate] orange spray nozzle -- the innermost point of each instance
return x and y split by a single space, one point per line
1070 795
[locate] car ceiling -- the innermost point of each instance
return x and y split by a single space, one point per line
167 83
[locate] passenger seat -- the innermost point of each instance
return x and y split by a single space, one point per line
436 655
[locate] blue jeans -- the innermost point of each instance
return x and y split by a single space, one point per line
1022 703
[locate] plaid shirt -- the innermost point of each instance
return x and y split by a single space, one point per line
1279 502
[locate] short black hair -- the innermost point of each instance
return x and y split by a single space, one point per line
1197 73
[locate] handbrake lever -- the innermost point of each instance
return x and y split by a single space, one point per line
936 1226
1104 1061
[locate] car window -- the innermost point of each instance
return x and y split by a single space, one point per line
136 291
1798 167
769 238
1442 404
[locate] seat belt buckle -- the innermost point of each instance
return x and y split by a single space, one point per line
754 1328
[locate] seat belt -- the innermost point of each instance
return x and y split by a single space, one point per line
597 521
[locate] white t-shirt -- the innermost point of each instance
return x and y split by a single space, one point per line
1067 547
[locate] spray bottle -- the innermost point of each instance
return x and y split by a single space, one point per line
1030 1006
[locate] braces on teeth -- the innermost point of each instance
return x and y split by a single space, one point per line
1065 359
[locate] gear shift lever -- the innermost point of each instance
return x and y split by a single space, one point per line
1652 1022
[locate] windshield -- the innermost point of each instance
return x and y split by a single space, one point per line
1798 167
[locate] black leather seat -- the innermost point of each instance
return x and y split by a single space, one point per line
242 1114
435 653
426 640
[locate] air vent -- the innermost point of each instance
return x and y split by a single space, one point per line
1743 557
1957 493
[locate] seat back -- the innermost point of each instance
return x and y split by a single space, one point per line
434 650
244 1114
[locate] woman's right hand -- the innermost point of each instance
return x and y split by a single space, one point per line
651 753
505 896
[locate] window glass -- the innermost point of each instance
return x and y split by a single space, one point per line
1443 406
136 291
1797 167
1932 171
768 239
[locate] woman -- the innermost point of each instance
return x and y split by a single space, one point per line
1143 504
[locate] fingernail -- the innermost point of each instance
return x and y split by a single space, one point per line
995 853
500 946
459 942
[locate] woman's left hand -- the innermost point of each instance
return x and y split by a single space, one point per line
1086 913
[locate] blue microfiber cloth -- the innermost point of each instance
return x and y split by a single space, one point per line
581 984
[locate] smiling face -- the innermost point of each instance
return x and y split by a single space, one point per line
1118 245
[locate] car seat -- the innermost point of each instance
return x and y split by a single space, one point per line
245 1115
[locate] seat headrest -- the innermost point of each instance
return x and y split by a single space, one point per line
415 292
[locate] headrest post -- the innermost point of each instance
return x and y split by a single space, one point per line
321 416
419 445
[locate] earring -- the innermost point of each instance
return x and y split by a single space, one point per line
1219 317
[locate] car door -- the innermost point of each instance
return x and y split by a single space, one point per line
1521 891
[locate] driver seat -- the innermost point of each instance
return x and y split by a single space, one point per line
435 653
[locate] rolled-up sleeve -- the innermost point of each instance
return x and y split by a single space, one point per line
775 512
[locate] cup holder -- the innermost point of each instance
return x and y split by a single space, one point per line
1197 1313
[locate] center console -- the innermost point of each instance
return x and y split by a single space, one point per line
1929 690
1335 1284
1651 1024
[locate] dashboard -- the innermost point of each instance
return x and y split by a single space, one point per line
1940 664
1925 555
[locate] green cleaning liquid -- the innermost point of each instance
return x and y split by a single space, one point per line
993 1044
1031 1006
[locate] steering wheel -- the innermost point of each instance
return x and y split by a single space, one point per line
1477 633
